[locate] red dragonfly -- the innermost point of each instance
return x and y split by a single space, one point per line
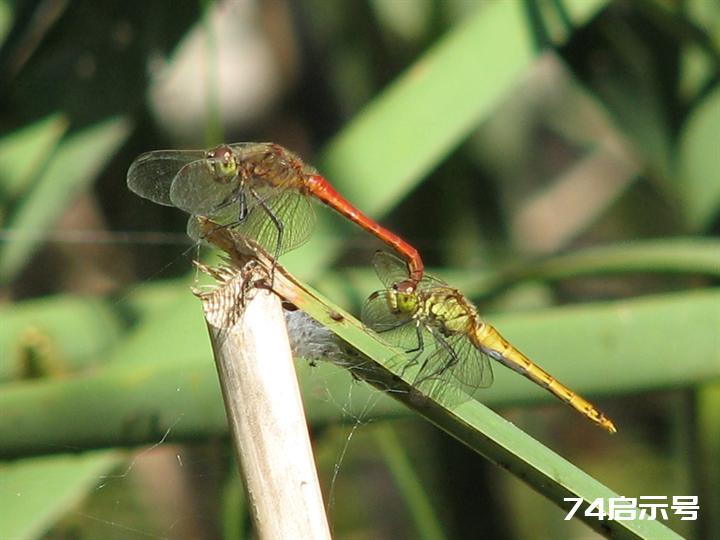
261 190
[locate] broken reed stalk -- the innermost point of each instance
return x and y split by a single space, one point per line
263 405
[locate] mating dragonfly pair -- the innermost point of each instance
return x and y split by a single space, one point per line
263 191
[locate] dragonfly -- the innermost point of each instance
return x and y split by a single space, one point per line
450 344
261 190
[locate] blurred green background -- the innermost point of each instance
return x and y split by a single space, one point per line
559 161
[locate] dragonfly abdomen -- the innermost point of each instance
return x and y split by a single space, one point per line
497 347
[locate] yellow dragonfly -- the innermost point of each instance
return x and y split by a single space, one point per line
459 344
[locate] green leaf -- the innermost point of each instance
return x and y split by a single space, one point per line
585 346
36 492
626 346
235 517
61 335
707 443
6 17
471 422
658 256
699 162
74 166
427 524
606 348
419 119
21 153
672 256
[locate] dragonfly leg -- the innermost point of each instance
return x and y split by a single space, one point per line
236 195
243 210
279 225
451 354
418 350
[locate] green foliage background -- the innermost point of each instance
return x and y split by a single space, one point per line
558 161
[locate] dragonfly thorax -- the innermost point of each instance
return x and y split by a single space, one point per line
276 166
448 310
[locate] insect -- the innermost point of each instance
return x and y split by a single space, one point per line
262 190
442 331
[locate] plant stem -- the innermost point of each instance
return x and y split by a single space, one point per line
264 411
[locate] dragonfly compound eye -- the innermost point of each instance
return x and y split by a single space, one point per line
222 163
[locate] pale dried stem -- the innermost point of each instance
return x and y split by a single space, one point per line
263 406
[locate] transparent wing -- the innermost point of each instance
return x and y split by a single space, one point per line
152 173
396 328
450 364
271 207
197 190
390 269
377 313
267 211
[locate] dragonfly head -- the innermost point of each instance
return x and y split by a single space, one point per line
222 163
402 299
406 286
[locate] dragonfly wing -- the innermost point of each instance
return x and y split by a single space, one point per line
396 328
390 269
193 229
269 209
473 370
453 368
378 315
197 190
152 173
